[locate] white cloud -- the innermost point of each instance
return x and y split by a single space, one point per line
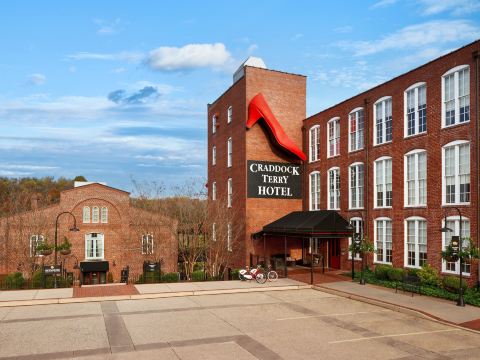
252 48
119 70
418 36
37 79
297 36
343 29
107 27
189 57
383 3
128 56
457 7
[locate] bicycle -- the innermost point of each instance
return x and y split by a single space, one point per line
272 275
258 274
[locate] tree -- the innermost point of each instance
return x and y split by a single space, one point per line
80 178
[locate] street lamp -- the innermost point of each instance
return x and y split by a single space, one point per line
74 228
445 229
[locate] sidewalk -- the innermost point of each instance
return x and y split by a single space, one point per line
440 309
144 291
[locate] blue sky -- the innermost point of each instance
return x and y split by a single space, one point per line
115 90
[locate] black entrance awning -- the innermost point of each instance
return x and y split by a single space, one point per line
320 224
86 266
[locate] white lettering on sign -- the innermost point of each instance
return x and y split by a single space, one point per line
291 169
274 190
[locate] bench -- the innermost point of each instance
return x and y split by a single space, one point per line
409 283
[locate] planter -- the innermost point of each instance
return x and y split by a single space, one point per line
45 252
65 252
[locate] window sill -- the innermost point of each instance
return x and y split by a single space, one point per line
382 263
356 208
415 135
382 207
355 259
412 267
415 206
314 161
333 156
454 125
384 143
355 151
455 204
446 272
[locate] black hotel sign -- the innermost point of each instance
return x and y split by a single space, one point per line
273 180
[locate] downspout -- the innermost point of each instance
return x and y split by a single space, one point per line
366 122
303 167
477 146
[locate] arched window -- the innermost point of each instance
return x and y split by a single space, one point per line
355 186
333 137
382 179
383 240
456 96
357 224
95 215
147 244
415 109
315 143
104 215
415 177
356 125
315 190
86 214
456 173
415 242
334 188
382 120
458 229
94 246
35 240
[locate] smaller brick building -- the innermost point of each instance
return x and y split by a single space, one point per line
112 234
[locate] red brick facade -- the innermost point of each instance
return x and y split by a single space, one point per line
122 230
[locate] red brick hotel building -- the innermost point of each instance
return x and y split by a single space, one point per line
402 157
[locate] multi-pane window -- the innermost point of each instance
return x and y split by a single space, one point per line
229 237
315 190
334 189
416 178
214 155
383 240
383 182
453 223
383 121
147 244
86 214
333 127
229 152
415 109
229 114
456 96
95 214
214 191
104 215
355 186
94 246
314 245
456 173
229 192
355 129
35 240
214 124
415 242
315 143
357 224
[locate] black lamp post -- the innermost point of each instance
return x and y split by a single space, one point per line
74 228
445 229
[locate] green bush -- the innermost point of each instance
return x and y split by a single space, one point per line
170 277
37 279
395 274
234 274
428 276
14 281
452 283
198 275
198 266
110 277
413 272
381 271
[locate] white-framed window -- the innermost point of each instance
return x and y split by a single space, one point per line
415 109
333 137
314 245
357 224
456 173
104 215
314 143
415 176
229 237
355 186
86 214
214 155
229 192
214 124
334 188
456 96
382 125
383 240
35 240
229 152
94 248
453 222
415 242
315 190
382 168
214 232
229 114
147 244
356 125
95 215
214 191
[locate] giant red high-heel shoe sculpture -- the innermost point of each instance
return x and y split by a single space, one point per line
259 109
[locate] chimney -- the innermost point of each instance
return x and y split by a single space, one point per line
34 201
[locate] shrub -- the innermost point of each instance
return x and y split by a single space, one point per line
452 283
14 281
170 277
37 279
381 271
198 275
234 274
110 277
198 266
413 272
395 274
428 275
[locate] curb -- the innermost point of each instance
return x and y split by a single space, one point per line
16 303
394 307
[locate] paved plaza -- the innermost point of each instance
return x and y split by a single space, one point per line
289 324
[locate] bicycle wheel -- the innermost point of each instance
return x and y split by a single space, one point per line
272 275
241 277
261 278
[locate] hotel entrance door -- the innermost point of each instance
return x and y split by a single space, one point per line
94 277
334 253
